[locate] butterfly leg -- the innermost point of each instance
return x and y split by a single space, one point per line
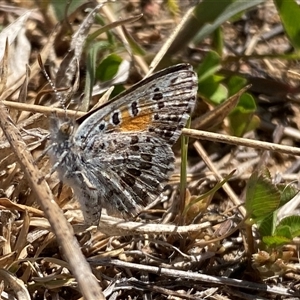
56 165
86 181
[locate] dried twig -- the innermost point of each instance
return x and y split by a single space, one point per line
196 276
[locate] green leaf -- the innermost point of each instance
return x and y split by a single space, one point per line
135 47
60 6
92 59
289 12
206 17
242 118
288 193
263 200
275 240
218 42
283 230
213 91
209 66
209 84
235 84
289 225
210 15
266 226
118 89
262 197
173 7
91 73
108 67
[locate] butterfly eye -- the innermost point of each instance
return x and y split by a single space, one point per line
66 128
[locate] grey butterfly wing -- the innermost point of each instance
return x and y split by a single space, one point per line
133 174
160 105
126 145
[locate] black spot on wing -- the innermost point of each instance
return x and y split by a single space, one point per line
101 126
161 104
134 148
115 118
146 157
134 140
157 95
134 108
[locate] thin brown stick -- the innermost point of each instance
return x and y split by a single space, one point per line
197 134
221 138
226 187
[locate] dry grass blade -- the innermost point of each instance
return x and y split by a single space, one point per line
64 232
4 69
8 259
11 32
22 238
161 54
152 256
113 20
16 284
42 109
24 87
44 53
218 114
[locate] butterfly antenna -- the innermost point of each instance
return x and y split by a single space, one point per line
76 83
51 83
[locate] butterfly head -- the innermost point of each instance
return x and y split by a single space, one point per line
61 129
66 128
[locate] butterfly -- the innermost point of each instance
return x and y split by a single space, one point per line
119 156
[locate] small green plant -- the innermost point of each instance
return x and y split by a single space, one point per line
264 201
216 87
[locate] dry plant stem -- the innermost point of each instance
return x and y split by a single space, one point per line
195 276
42 109
162 52
4 69
215 137
64 232
7 204
118 227
111 226
226 187
197 134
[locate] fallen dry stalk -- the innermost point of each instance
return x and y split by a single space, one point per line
196 276
232 140
62 229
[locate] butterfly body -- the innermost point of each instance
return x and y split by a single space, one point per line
119 156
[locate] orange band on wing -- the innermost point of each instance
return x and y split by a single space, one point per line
137 123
